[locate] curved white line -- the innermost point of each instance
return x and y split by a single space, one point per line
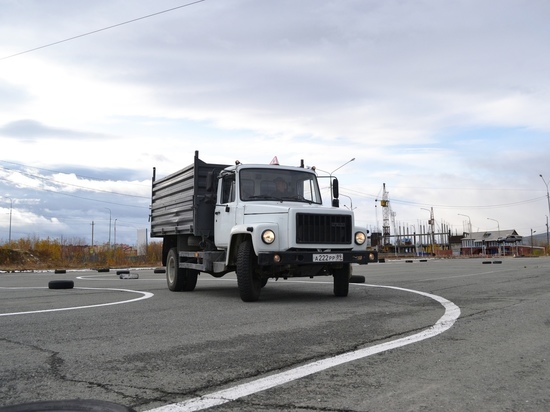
146 295
452 312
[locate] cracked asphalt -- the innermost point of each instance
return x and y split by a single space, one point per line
172 347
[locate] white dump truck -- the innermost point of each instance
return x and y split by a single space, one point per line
262 221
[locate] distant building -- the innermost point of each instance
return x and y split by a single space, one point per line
500 243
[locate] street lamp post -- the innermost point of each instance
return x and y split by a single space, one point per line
469 231
350 201
548 199
498 240
532 231
331 173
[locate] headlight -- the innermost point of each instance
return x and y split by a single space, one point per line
360 238
268 236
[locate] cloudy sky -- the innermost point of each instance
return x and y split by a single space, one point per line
446 102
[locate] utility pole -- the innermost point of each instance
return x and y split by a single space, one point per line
109 226
548 199
92 235
11 208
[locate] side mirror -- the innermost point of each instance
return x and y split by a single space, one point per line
335 190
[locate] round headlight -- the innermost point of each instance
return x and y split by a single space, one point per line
360 238
268 236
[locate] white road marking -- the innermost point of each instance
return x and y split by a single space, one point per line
146 295
452 312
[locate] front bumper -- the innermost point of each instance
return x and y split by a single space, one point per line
302 257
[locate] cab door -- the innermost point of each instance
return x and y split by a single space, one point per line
225 211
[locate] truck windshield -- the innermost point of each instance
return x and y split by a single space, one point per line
279 185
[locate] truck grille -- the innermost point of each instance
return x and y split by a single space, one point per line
326 229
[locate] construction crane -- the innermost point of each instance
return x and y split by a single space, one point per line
387 214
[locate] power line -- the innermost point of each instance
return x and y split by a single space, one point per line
100 30
58 183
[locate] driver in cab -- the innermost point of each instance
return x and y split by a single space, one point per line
281 188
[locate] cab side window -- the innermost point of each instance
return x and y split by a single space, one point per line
228 189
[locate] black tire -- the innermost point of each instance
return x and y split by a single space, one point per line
61 284
341 280
178 279
103 270
264 282
250 284
357 279
60 271
122 272
69 405
159 270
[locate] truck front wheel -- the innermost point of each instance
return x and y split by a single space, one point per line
249 282
341 280
179 279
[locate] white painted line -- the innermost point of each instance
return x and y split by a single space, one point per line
452 312
146 295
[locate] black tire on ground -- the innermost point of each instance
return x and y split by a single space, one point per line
61 284
57 271
250 284
341 280
178 279
486 262
122 272
357 279
159 270
72 405
104 270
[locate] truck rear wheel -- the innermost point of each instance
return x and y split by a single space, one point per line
341 280
179 279
250 283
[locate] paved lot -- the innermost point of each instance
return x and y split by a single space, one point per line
134 342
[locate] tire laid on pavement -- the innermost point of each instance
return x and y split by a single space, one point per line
57 271
61 284
159 270
357 279
69 405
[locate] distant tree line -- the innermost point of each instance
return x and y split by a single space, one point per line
33 253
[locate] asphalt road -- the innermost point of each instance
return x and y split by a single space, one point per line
453 335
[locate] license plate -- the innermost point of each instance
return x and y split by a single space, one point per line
328 257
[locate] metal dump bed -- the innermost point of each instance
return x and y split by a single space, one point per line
181 202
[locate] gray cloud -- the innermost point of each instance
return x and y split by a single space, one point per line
33 129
